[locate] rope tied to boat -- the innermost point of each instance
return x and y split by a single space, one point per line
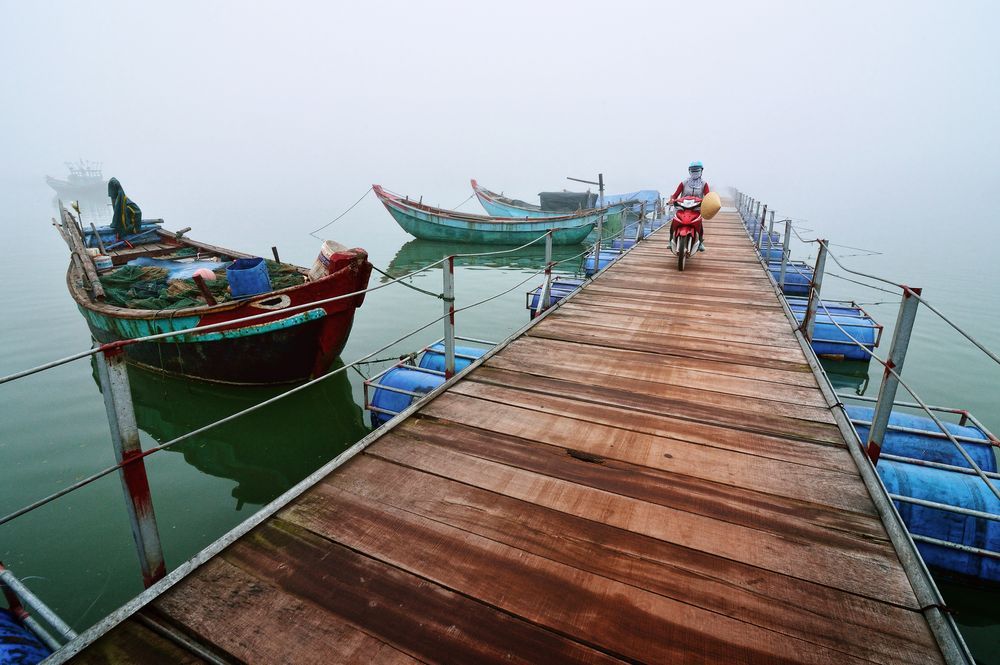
314 231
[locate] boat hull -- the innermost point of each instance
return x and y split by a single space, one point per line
283 348
509 234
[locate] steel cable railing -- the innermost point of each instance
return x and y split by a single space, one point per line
362 360
888 368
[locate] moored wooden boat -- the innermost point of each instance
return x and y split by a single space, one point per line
430 223
296 342
503 206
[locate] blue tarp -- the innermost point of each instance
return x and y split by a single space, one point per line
650 196
178 269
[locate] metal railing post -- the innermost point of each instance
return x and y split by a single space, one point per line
125 438
815 288
770 235
448 270
897 354
20 597
640 232
784 253
547 289
760 228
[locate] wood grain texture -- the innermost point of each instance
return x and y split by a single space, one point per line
650 474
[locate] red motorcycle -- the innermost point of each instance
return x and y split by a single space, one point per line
686 229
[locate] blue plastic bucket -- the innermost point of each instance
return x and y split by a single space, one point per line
954 489
925 447
248 277
404 378
433 357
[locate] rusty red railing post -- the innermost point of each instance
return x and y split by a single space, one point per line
448 268
135 484
897 354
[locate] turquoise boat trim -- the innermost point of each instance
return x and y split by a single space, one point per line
134 328
249 331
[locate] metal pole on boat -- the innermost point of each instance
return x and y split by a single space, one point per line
125 438
547 289
815 287
448 269
784 253
897 354
760 229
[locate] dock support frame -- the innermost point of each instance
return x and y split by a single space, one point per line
815 288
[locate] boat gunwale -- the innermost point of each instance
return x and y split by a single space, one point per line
406 205
80 294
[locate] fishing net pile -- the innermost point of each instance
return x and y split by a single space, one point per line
149 287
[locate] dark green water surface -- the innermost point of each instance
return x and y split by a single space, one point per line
77 553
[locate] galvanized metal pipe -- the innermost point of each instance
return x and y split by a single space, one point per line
448 272
784 253
809 320
890 383
979 514
955 546
932 434
938 465
770 235
760 229
35 604
125 439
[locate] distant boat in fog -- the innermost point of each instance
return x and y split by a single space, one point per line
85 181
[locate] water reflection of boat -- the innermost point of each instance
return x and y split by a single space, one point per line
267 451
416 254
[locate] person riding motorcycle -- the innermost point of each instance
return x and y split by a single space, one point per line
693 186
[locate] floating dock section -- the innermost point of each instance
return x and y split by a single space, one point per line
651 471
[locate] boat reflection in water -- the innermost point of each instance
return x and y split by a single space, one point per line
416 254
266 451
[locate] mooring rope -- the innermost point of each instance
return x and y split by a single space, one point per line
313 232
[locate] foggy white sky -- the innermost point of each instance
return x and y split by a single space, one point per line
798 102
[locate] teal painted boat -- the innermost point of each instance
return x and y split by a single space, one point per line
502 206
430 223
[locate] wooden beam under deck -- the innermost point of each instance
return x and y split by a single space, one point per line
651 473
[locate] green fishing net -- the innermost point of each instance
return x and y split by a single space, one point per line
147 287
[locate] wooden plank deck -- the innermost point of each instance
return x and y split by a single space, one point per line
651 473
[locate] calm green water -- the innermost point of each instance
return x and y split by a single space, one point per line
77 553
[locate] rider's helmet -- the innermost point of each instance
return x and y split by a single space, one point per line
695 168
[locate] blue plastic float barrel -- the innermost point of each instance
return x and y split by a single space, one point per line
798 276
433 358
617 244
558 289
401 378
248 277
18 645
828 339
955 489
606 257
924 446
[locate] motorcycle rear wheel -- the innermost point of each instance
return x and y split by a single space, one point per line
682 246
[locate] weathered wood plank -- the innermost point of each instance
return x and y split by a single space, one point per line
742 463
811 612
258 622
862 572
618 618
131 642
420 619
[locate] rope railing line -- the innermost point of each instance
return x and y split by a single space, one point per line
363 360
968 458
253 317
854 281
314 231
907 290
